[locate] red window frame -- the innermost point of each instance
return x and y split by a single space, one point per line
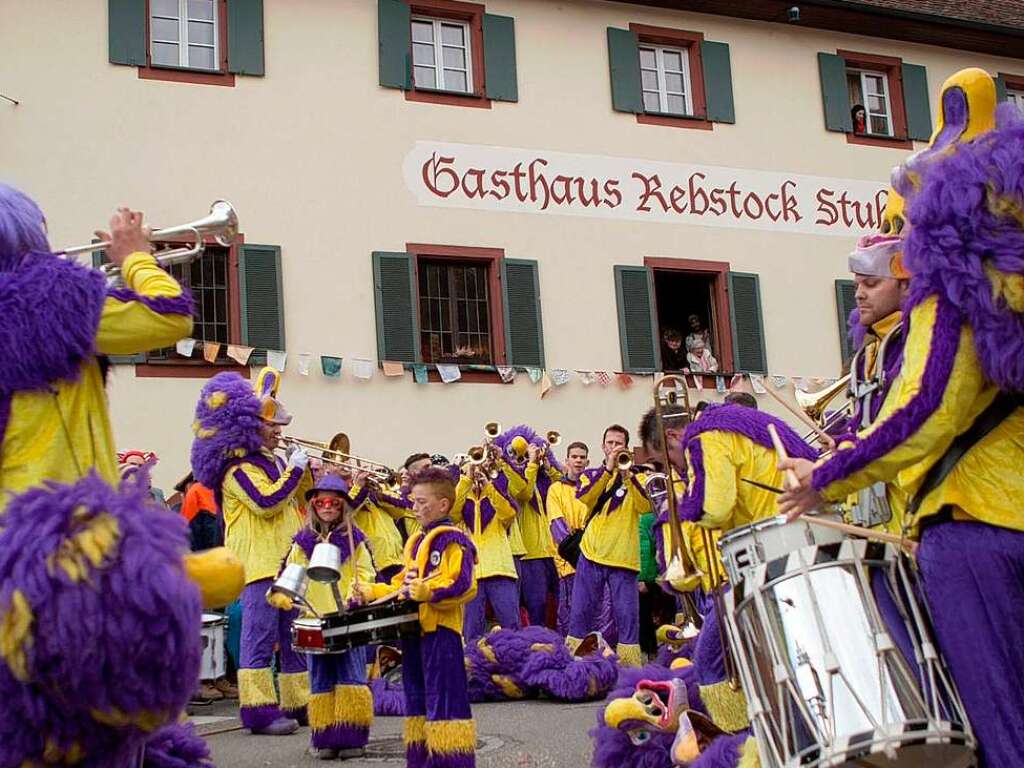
197 367
492 257
473 14
718 271
200 77
690 42
1012 82
892 67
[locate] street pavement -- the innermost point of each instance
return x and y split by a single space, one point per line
530 734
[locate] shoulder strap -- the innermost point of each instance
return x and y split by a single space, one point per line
998 410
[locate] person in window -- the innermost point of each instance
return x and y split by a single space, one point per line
697 331
860 119
700 360
673 356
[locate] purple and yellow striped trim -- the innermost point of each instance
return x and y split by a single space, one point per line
277 497
181 304
691 505
461 584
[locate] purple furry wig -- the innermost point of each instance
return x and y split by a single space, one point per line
967 238
22 228
504 440
227 427
104 623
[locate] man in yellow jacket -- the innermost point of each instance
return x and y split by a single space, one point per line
59 320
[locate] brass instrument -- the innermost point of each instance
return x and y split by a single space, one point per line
815 403
624 461
491 430
378 472
221 224
553 438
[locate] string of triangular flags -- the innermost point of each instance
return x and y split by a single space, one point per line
547 380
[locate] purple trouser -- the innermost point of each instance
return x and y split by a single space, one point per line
973 578
538 580
587 595
502 593
263 627
565 602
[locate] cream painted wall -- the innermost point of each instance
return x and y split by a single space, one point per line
311 156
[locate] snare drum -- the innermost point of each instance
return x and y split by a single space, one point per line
308 636
823 674
369 625
214 663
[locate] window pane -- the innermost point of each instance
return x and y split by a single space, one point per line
165 53
651 103
649 79
455 81
874 83
647 58
425 77
673 61
880 125
423 31
164 8
673 82
200 32
676 105
165 29
200 58
452 34
200 9
876 104
454 57
423 53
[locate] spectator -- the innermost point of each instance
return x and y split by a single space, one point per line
700 359
697 331
673 357
860 119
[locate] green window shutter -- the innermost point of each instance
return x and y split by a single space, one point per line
718 81
638 335
262 299
1000 88
624 64
394 294
245 37
747 323
500 58
394 39
834 93
126 32
99 258
524 333
915 101
845 304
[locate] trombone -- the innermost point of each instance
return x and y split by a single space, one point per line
380 473
221 224
814 404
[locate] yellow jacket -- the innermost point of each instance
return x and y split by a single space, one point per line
319 594
940 392
613 536
378 523
486 517
260 502
695 543
533 523
563 505
62 432
444 556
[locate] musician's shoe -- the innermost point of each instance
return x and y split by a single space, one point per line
280 727
207 693
225 686
324 754
349 754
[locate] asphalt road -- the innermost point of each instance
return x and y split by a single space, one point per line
532 734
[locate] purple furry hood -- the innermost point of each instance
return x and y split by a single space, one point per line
227 427
51 312
504 440
307 539
966 243
749 423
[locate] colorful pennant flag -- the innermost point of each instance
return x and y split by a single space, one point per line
560 376
545 384
449 373
779 381
185 347
587 377
362 368
210 351
392 368
276 358
304 359
603 378
419 373
534 374
625 380
507 373
331 366
720 385
757 382
239 353
737 379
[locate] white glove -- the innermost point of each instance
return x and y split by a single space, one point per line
299 458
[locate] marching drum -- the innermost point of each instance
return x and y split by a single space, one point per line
367 625
214 663
817 622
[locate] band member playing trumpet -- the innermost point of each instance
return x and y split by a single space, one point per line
237 431
438 573
340 703
60 320
610 548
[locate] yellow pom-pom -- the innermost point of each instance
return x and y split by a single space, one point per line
216 399
218 573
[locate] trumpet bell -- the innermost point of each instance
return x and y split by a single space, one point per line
477 454
624 461
554 438
814 403
492 429
325 563
293 582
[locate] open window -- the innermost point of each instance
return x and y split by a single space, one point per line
1011 88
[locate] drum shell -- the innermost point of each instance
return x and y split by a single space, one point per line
367 625
751 545
214 660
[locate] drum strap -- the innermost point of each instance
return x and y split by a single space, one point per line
997 411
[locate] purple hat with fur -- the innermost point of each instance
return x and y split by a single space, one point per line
227 427
22 228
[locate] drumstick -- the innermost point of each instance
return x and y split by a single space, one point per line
397 592
802 416
852 530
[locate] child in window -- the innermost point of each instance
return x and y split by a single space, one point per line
700 359
673 356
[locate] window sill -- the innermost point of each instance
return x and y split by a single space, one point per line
449 98
674 121
878 141
181 75
187 370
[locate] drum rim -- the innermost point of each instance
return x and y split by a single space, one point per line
776 521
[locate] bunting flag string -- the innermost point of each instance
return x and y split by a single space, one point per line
304 360
331 366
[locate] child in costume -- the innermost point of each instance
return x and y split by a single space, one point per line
438 574
340 705
237 430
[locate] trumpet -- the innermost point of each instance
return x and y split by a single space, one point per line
380 473
623 461
221 224
482 461
553 438
491 430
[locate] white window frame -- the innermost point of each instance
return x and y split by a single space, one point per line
864 74
1015 97
183 42
439 45
659 63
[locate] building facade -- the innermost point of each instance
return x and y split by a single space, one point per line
548 187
